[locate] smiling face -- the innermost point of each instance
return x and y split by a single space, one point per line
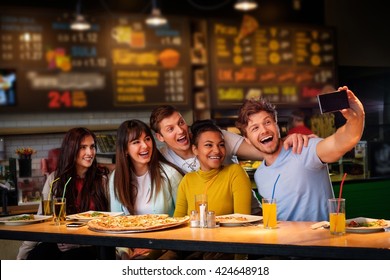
86 155
140 151
263 132
174 132
210 150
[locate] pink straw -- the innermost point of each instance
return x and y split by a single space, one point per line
341 191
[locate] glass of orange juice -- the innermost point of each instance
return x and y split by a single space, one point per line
269 212
337 215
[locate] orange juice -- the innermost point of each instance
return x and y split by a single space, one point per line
269 215
337 223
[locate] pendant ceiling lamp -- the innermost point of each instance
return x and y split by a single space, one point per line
80 23
245 5
155 18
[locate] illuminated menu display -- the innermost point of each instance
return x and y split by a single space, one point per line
284 64
118 63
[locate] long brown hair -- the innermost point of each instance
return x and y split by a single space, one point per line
125 190
95 182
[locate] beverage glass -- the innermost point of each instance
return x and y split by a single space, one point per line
46 204
59 210
201 206
337 215
269 213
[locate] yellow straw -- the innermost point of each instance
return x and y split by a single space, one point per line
51 185
63 196
47 208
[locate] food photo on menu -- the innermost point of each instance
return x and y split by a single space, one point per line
7 87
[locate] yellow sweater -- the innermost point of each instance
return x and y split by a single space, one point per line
228 190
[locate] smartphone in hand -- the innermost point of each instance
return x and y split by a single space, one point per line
333 101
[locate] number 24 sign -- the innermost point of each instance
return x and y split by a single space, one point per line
67 99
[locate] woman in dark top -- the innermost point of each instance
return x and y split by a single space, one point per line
87 189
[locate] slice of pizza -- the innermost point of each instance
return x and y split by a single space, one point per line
248 26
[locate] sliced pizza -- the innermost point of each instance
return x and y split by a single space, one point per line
92 214
135 222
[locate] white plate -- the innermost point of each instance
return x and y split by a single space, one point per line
37 219
82 218
234 220
365 229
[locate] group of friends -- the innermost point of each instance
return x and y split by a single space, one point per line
194 160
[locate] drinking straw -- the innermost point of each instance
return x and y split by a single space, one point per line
341 191
272 197
46 210
47 207
339 199
51 185
273 190
63 194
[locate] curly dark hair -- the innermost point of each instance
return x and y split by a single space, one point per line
200 126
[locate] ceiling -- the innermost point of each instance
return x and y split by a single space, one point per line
269 11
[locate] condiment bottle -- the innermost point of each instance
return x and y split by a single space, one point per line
194 219
211 219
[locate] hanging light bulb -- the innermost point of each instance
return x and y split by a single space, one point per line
155 18
245 5
79 24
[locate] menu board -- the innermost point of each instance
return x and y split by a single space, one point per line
287 65
149 65
119 63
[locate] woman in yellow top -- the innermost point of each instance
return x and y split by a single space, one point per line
228 187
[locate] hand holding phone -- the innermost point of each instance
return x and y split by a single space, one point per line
333 101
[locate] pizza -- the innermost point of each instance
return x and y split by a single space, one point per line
28 217
136 222
93 214
248 26
231 219
374 223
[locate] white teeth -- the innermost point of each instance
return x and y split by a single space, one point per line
215 157
181 138
265 138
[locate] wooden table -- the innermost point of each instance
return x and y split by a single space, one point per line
289 239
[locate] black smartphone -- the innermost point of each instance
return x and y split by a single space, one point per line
333 101
76 224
